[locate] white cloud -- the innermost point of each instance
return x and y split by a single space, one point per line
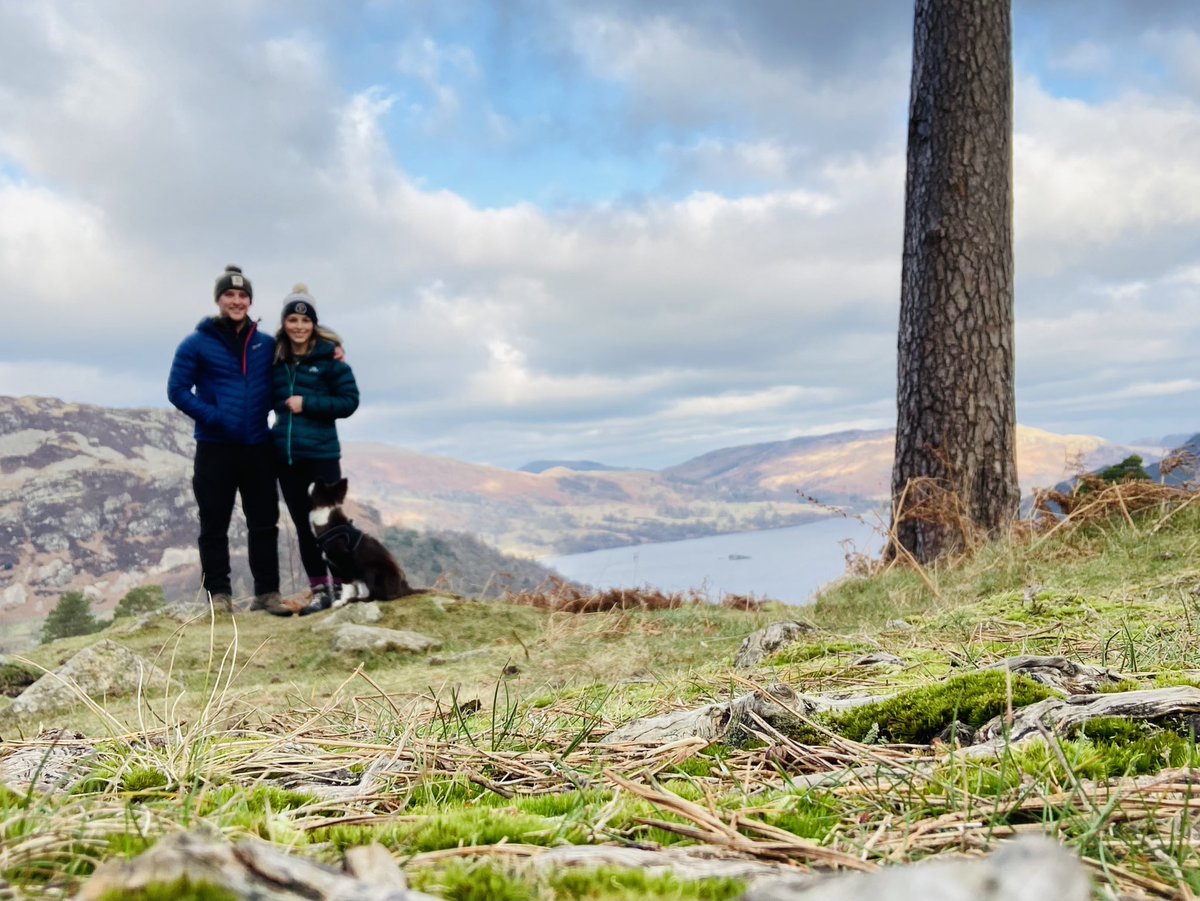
754 296
1090 176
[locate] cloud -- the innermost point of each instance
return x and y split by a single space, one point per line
602 229
1091 176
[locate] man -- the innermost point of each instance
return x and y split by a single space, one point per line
221 378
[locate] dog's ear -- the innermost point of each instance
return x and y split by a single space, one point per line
326 494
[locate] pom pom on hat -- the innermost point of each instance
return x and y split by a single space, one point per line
232 278
301 302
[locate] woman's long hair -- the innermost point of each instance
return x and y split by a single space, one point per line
283 344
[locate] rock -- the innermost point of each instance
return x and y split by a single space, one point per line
105 669
1032 868
350 638
358 614
135 624
879 658
757 647
252 869
49 764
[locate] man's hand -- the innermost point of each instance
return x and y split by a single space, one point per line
339 352
295 403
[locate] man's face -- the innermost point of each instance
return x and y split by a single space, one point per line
234 305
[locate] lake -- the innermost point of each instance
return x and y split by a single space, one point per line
785 564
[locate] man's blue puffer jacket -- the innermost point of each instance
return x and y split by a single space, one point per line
222 380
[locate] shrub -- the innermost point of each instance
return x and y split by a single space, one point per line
72 615
143 599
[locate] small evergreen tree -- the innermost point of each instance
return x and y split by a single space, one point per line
143 599
72 615
1128 470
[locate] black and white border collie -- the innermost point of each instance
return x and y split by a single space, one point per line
366 569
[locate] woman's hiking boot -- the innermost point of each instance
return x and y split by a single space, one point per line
322 599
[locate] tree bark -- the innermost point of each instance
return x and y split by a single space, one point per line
956 410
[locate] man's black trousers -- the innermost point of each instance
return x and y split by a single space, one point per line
222 472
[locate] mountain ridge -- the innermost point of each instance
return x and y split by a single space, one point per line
100 500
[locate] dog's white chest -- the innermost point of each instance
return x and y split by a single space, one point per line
319 516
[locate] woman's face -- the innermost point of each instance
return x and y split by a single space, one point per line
299 328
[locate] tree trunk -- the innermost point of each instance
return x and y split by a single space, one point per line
956 416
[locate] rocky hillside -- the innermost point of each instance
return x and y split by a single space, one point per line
100 499
855 468
89 496
558 511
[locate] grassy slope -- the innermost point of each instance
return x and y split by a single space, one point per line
268 706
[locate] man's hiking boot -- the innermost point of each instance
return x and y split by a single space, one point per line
221 602
272 602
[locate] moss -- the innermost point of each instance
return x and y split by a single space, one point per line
10 800
182 889
487 827
250 806
343 837
808 815
129 844
455 828
1118 687
1111 747
141 778
611 884
561 803
918 715
437 794
478 882
16 677
693 766
804 652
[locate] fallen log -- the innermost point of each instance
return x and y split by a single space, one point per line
1061 674
1063 715
780 705
774 704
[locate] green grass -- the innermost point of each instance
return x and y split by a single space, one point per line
484 759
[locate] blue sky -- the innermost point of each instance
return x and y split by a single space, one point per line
613 230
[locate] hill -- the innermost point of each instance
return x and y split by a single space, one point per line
855 468
100 500
573 746
540 466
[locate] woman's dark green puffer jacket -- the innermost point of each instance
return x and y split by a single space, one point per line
330 393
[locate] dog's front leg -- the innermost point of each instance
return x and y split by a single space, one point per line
362 592
349 593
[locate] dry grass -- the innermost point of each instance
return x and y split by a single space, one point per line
563 597
445 771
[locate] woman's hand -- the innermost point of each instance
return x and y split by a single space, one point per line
295 403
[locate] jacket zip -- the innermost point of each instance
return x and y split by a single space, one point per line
292 367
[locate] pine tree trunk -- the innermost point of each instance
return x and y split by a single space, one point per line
956 414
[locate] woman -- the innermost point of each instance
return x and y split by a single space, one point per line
312 389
